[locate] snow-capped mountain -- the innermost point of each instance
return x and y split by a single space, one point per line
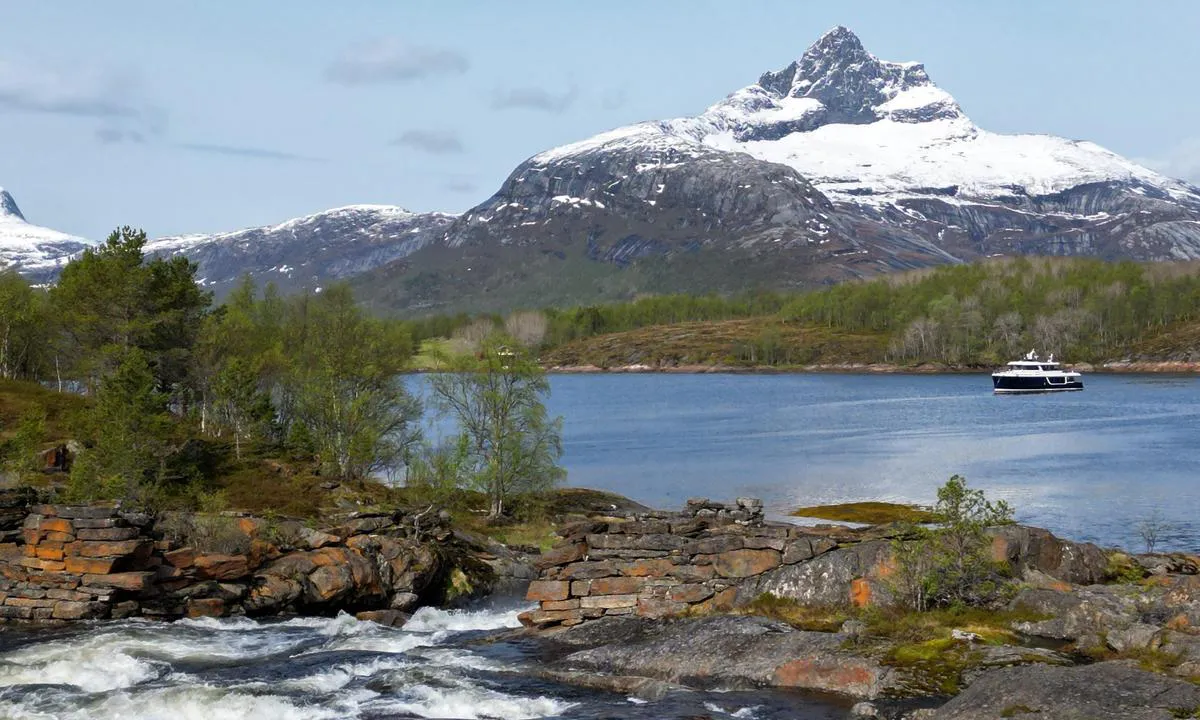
36 252
306 251
839 165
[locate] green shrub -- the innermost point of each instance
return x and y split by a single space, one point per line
951 563
207 533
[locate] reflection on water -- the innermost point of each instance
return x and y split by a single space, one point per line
1088 465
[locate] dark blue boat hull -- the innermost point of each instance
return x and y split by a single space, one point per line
1003 384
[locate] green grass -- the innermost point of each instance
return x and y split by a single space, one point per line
798 615
871 513
432 353
62 408
535 533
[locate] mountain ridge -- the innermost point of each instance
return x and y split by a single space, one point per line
840 165
306 251
34 251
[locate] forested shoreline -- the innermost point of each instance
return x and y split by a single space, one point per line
975 315
127 384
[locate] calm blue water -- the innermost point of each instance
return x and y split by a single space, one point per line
1087 465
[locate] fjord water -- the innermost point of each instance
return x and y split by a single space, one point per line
324 669
1088 465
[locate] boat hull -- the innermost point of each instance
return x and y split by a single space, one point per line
1003 385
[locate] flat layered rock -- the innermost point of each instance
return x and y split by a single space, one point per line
722 652
1104 691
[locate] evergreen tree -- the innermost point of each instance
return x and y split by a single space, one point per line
108 301
131 431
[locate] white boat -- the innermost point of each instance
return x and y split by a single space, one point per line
1034 375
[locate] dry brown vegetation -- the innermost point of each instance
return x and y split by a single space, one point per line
728 342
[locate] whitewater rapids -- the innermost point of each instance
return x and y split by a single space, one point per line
438 666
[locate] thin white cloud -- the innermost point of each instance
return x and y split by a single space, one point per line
89 92
1181 161
534 98
254 153
385 60
434 142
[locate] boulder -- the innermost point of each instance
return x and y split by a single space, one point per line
543 590
271 593
722 651
205 607
1030 548
1103 691
1077 612
745 563
388 618
405 601
221 567
828 579
134 581
562 555
1138 636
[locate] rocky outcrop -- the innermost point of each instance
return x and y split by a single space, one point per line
1104 691
723 651
1029 548
713 556
79 562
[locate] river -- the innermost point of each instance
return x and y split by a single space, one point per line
327 669
1088 465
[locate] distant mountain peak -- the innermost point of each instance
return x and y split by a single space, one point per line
8 206
854 86
840 42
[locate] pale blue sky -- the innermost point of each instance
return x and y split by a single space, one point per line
206 116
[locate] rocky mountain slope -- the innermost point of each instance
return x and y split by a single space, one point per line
839 165
36 252
307 251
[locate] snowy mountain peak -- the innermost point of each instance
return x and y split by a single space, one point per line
37 252
853 86
838 46
8 206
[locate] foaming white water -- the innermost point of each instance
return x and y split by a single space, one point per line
450 657
746 713
126 654
221 624
197 702
474 703
429 620
342 674
380 640
92 669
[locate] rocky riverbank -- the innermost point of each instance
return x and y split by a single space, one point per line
69 562
660 600
648 603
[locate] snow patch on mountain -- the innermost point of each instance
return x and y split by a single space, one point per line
869 131
32 249
305 251
246 237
